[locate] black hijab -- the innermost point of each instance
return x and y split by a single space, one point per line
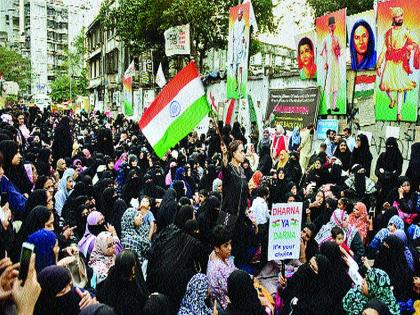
37 198
117 212
242 295
345 156
16 173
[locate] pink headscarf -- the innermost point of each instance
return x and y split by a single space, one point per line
87 241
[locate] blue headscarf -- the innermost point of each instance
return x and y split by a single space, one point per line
44 242
369 59
295 139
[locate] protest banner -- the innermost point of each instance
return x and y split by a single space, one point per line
292 107
284 231
177 40
323 125
146 67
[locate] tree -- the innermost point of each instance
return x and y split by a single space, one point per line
140 24
72 79
14 67
321 7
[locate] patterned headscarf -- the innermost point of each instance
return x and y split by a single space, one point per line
134 238
337 219
379 287
99 261
383 233
193 302
360 222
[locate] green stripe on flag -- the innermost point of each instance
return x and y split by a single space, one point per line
182 126
363 94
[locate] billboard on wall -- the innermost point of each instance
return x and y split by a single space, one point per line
331 72
292 108
397 81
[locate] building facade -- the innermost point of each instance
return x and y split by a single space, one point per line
11 24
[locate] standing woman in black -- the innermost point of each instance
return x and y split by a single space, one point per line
235 186
361 154
388 169
63 140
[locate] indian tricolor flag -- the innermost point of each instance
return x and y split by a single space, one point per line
365 85
176 111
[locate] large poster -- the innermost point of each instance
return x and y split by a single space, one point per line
177 40
238 45
331 77
284 231
292 108
306 55
397 83
362 34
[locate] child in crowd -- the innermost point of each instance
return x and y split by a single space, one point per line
339 238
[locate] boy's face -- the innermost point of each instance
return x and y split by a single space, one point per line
339 239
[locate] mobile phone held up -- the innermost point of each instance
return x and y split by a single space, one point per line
25 257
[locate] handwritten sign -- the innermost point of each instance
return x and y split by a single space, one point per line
284 231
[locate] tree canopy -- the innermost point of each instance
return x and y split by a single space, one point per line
321 7
144 22
14 67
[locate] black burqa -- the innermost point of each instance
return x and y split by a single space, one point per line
361 155
15 173
174 258
63 141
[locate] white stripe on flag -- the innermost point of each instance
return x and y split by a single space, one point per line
185 97
364 87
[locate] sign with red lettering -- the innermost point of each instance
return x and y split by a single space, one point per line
284 231
292 107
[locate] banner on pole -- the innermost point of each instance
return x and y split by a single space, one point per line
177 40
146 67
284 231
128 90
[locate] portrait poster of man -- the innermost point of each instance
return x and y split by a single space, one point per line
361 30
237 57
331 60
306 55
397 67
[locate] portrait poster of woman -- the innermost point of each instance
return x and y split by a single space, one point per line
306 55
361 30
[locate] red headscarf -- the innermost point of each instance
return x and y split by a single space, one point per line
361 222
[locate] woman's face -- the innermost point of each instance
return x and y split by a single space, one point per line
356 212
16 159
343 147
138 219
49 225
392 228
361 39
224 250
110 165
345 223
318 165
406 187
145 203
340 204
282 156
319 197
281 175
219 188
110 248
239 155
358 142
370 311
306 55
306 234
69 183
293 190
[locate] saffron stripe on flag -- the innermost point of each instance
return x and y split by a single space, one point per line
185 97
365 78
230 112
182 125
187 74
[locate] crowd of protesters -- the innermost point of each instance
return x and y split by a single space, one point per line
116 230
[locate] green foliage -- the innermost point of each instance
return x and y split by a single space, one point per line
14 67
321 7
140 24
72 68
